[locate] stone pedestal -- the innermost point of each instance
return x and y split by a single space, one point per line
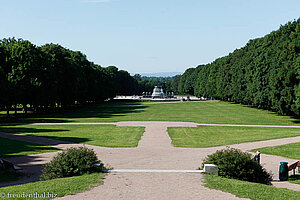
211 169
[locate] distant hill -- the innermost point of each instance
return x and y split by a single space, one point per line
161 74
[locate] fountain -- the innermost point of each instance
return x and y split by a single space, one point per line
158 92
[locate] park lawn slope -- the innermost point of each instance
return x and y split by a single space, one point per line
9 148
60 187
244 189
99 135
210 136
291 150
211 112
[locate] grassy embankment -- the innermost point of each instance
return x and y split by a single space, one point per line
244 189
60 187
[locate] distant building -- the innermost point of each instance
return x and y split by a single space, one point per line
158 92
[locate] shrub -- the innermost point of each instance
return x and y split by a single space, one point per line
71 162
233 163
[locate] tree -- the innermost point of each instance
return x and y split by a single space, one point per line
22 69
175 83
264 73
126 83
187 81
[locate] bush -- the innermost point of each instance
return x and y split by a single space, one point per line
233 163
71 162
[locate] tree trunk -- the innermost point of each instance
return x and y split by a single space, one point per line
25 108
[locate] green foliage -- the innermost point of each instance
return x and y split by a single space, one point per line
146 84
187 81
52 76
233 163
128 85
20 72
265 73
175 83
71 162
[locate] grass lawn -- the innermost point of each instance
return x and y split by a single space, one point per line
99 135
244 189
291 150
209 136
201 112
9 148
60 187
295 179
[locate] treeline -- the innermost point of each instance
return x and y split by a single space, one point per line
265 73
49 76
146 84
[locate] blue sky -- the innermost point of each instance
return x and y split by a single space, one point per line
144 36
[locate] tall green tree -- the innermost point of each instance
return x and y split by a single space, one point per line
22 69
264 73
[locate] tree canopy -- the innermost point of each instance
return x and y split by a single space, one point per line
53 76
264 73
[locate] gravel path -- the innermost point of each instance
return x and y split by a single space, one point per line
153 152
152 186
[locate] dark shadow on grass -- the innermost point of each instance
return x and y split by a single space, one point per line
296 119
294 177
28 130
31 119
104 110
53 140
65 140
13 140
12 148
8 175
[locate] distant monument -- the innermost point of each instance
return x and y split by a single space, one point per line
158 92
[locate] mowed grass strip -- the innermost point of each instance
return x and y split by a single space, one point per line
60 187
201 112
244 189
291 150
294 179
99 135
214 112
9 148
210 136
